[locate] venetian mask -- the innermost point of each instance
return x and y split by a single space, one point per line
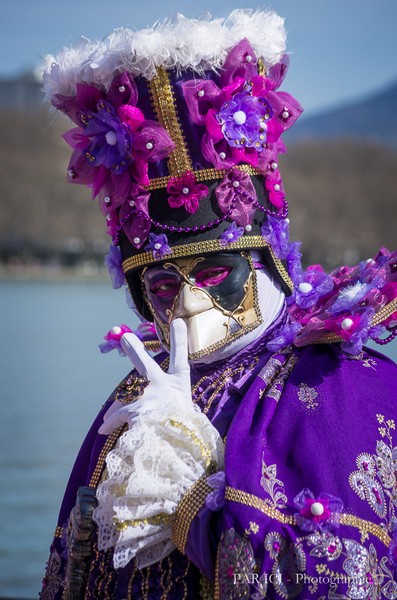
216 296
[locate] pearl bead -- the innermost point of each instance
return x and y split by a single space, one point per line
285 114
106 199
274 165
236 184
305 287
131 202
239 117
222 155
276 187
317 509
346 324
185 190
111 138
149 145
116 330
229 236
108 217
157 246
287 220
248 58
200 93
121 88
137 240
71 172
248 228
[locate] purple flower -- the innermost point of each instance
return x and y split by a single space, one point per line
294 262
276 233
185 191
113 339
231 234
113 261
360 334
285 337
109 140
314 284
321 513
243 119
158 244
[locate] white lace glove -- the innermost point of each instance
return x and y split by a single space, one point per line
174 384
168 446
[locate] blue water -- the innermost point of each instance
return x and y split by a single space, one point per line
53 381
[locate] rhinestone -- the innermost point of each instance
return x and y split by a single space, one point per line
149 145
157 246
121 88
222 155
106 199
116 330
236 184
248 58
185 190
317 509
248 228
276 187
305 287
200 93
137 240
346 324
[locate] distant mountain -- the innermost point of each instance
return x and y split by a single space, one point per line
374 118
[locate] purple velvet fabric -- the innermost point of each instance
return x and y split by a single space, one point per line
304 427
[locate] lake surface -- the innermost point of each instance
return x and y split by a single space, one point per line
53 382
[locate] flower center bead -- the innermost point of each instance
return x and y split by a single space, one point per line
157 246
346 324
185 191
305 287
111 138
239 117
317 509
116 330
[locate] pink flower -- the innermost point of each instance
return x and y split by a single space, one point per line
113 339
185 191
321 513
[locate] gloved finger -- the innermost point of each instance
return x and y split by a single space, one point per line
178 348
117 419
136 352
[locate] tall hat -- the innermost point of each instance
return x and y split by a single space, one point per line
177 133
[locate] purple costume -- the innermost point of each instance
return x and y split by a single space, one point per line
178 130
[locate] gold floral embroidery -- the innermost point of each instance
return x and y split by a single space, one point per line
376 478
253 528
307 396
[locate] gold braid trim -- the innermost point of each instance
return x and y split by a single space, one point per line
165 108
58 532
110 442
188 508
246 499
159 183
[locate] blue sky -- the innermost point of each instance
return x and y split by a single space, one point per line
341 49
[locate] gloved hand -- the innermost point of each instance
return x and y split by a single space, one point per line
175 384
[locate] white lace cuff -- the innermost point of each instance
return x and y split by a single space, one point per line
152 466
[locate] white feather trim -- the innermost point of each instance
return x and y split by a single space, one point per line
198 44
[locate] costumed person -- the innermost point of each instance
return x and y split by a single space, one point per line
251 452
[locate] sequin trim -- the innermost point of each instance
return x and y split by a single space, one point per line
202 175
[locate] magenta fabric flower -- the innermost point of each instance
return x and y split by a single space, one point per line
321 513
113 142
113 339
185 191
231 234
158 244
134 216
245 116
236 197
